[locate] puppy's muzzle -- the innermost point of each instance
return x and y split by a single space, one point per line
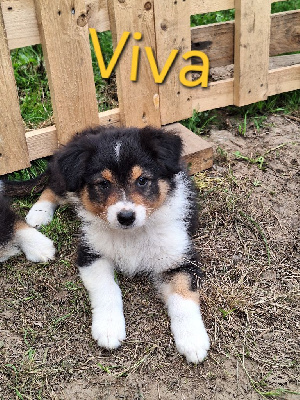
126 217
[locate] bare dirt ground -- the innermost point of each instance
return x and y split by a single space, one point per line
248 241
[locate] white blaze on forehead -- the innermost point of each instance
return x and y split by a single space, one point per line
117 149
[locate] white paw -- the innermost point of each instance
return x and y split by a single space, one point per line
193 344
108 329
41 213
36 246
188 329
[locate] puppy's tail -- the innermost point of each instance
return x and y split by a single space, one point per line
24 188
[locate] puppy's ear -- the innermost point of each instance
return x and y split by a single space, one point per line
165 147
69 164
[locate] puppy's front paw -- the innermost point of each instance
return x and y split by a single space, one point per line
36 246
188 329
108 329
193 344
41 213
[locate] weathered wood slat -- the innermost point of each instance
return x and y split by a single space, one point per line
138 99
284 79
13 149
172 25
205 6
43 142
216 95
22 28
285 32
66 48
217 40
197 152
251 51
220 94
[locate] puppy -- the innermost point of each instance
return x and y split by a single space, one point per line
17 236
138 211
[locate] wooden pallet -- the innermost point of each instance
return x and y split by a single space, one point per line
63 30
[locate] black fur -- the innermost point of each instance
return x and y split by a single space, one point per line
192 269
91 151
85 256
7 221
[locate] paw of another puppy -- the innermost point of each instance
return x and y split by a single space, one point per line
108 328
41 213
36 246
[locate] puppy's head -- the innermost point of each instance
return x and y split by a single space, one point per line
120 175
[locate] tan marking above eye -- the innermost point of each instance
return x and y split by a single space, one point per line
136 172
151 204
107 175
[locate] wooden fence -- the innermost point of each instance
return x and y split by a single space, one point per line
61 26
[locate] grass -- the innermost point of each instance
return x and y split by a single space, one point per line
32 83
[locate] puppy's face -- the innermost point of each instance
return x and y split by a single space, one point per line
122 176
124 203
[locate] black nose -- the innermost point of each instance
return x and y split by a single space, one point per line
126 217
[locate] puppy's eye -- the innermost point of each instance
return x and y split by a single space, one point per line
104 185
142 181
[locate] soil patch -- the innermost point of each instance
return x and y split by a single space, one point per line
248 240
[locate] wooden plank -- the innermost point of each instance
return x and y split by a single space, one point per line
65 41
197 152
205 6
217 40
43 142
220 94
285 32
284 79
172 25
20 22
216 95
13 149
138 100
251 55
98 17
22 28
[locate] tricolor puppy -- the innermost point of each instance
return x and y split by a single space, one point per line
138 213
17 236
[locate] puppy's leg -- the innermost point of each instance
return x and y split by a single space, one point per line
179 290
41 213
108 323
36 246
